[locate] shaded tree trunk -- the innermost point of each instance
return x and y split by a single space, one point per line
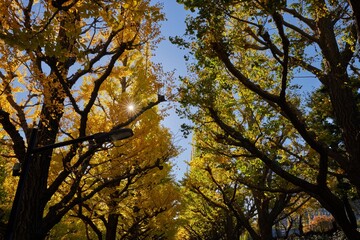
231 229
266 231
32 196
265 225
342 215
111 226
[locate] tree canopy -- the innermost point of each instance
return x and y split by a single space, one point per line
272 92
70 69
278 82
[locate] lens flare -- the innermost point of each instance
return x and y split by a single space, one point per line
131 107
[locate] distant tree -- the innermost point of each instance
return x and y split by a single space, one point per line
250 194
141 207
200 219
321 223
252 58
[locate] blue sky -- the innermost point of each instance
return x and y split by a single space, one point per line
172 58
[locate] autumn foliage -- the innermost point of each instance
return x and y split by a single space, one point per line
273 98
274 89
70 69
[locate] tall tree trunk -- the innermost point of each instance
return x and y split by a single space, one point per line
266 231
347 115
265 226
111 226
31 202
339 211
342 96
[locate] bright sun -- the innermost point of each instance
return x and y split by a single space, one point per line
131 107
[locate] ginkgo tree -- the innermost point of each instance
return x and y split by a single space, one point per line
60 62
309 138
143 159
137 206
141 207
250 196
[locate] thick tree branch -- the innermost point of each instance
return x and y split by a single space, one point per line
19 145
311 23
290 112
218 48
249 146
309 37
285 62
355 5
